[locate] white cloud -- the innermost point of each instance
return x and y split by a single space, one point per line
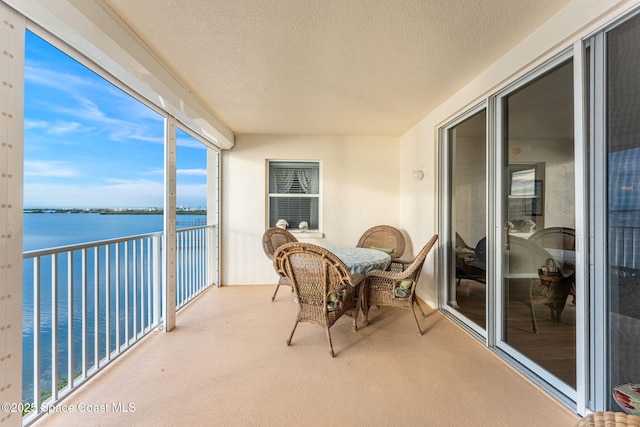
48 169
61 128
44 76
116 193
35 124
194 196
185 140
192 172
119 116
122 194
184 172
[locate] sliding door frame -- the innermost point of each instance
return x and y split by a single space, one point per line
445 224
576 399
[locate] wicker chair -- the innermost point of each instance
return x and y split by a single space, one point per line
322 284
529 286
397 288
272 239
387 238
609 419
557 238
471 262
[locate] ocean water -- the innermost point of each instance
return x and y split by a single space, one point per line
51 230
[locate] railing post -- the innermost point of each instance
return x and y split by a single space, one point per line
169 267
70 313
157 279
211 255
36 332
54 327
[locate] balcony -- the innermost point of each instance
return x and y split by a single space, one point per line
85 305
227 363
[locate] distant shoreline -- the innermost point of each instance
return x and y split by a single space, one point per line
115 211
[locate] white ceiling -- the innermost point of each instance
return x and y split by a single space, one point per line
332 67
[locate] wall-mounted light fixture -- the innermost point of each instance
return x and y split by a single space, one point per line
417 174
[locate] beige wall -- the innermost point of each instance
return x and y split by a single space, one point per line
559 177
418 204
360 188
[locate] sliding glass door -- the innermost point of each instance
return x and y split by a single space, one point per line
622 176
509 215
537 216
540 218
467 178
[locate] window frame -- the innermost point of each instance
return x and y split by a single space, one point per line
293 228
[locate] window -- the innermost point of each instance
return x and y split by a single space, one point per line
294 193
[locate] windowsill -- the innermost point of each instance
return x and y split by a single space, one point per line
312 234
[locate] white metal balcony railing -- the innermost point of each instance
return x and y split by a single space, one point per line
624 246
83 305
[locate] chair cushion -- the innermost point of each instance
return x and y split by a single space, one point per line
406 284
386 250
334 300
402 292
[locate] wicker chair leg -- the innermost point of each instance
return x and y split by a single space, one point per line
365 315
357 307
424 316
292 332
534 322
274 294
330 344
416 319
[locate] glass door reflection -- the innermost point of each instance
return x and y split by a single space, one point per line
468 146
538 222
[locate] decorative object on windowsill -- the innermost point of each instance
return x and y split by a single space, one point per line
282 223
303 226
627 396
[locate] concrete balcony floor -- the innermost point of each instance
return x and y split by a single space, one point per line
227 364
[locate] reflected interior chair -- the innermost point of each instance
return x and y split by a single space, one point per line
563 238
528 286
397 288
322 284
555 237
471 262
386 238
272 239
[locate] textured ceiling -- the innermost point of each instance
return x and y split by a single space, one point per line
333 67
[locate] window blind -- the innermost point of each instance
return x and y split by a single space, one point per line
294 193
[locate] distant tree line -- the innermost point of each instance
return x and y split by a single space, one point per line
117 211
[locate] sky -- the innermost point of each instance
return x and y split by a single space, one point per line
90 145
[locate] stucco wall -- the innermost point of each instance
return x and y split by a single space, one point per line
360 188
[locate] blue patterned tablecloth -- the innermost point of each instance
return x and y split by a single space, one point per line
362 260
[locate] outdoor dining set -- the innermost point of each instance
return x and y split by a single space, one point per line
329 282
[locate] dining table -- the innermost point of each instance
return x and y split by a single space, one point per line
360 261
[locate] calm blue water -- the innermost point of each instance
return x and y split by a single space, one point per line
42 231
